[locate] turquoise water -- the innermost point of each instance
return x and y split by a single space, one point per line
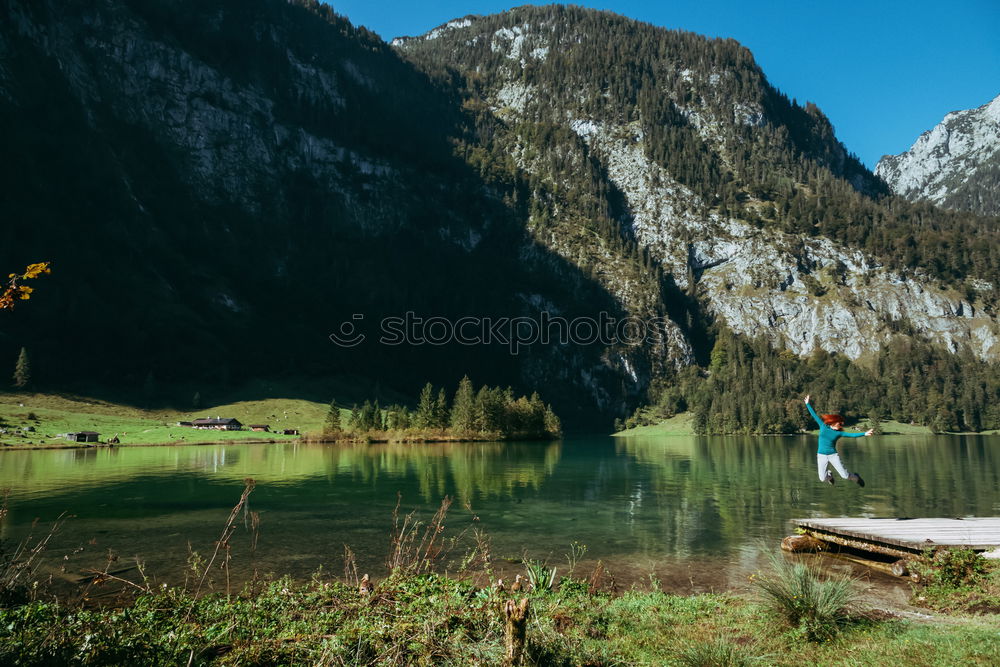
695 512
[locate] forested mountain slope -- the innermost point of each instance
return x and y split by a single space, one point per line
758 217
220 184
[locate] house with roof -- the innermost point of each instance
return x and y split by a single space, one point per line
83 436
218 424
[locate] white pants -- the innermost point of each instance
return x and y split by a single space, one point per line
832 459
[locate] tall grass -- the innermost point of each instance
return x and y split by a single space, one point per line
815 606
717 653
19 564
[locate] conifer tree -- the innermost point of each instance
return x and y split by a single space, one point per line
22 370
553 427
441 410
463 406
425 408
332 424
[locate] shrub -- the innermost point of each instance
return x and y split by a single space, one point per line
813 605
953 568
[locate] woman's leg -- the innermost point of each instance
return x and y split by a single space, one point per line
821 466
838 466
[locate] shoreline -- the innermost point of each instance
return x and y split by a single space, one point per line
269 441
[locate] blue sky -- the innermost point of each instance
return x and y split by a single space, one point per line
883 71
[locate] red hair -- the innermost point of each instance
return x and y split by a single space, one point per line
830 420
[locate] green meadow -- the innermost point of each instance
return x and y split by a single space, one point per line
52 415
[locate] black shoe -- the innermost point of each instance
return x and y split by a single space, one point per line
829 478
855 477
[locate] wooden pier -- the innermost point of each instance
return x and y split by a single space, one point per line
896 538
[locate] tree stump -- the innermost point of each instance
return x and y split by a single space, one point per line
803 544
515 631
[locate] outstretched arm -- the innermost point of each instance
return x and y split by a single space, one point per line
847 434
813 412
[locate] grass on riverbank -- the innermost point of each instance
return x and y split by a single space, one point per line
683 424
58 414
430 619
958 581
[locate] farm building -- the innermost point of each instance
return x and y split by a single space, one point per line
83 436
260 427
218 424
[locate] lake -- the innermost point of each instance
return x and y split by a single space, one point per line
698 513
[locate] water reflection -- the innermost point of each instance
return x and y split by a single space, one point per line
693 505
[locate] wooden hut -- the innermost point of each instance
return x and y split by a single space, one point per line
84 436
218 424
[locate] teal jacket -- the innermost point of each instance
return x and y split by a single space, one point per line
828 436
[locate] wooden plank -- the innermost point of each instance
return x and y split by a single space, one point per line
979 533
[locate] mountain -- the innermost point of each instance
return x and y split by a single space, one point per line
745 199
762 223
222 184
955 165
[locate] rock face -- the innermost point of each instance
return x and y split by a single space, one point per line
956 164
801 292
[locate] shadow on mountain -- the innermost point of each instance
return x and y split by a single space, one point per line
221 185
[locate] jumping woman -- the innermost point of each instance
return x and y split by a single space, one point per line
831 428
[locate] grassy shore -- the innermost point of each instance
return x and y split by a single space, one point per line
683 424
429 619
52 415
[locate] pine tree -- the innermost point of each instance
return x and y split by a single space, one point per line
553 427
332 424
463 407
424 418
441 410
196 400
22 370
366 420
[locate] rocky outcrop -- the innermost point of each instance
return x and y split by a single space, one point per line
801 293
956 164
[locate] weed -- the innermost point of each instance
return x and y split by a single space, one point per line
576 552
18 565
816 607
717 653
540 576
951 568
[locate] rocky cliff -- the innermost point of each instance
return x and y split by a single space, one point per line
956 164
615 85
